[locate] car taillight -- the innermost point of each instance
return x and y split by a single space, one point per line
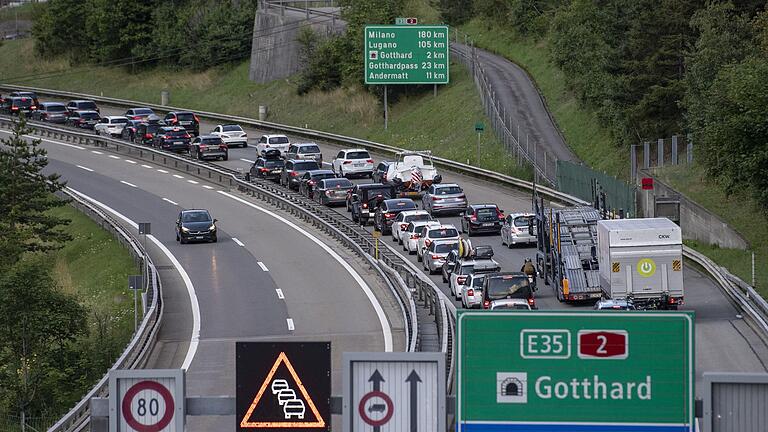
672 300
370 161
167 137
435 198
203 147
328 192
427 242
470 292
532 302
365 205
461 279
414 236
435 257
187 136
32 107
263 170
311 182
403 226
294 173
196 119
473 218
389 215
148 136
486 304
14 108
347 162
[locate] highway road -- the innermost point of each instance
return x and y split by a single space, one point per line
724 341
236 280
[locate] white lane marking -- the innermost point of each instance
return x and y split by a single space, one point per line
208 187
169 201
263 267
192 181
96 152
114 157
195 336
126 183
84 168
130 161
162 171
291 327
146 166
280 294
247 160
178 176
239 243
385 328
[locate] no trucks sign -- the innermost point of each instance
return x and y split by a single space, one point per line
556 371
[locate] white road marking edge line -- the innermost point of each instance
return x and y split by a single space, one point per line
239 243
291 326
263 266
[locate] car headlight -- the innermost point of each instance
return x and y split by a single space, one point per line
212 227
185 229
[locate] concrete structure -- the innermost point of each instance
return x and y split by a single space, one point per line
275 52
696 222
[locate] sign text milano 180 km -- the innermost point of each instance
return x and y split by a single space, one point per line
621 372
406 55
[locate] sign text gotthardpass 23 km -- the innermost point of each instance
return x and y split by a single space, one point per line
406 54
563 371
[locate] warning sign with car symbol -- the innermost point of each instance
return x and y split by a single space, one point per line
283 386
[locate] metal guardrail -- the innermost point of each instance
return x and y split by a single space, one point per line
137 352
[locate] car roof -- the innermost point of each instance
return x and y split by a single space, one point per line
442 185
511 301
86 112
373 186
479 206
139 107
229 124
520 214
413 212
423 223
115 117
209 136
301 160
81 100
500 274
482 262
445 226
275 135
320 171
397 200
354 150
52 104
181 112
173 128
305 144
195 210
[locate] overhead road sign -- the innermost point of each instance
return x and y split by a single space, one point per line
586 370
411 54
146 400
283 386
394 392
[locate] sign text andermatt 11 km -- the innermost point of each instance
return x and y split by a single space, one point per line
406 55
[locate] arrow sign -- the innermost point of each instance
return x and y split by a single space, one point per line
414 380
376 379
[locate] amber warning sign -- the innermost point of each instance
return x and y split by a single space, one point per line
283 386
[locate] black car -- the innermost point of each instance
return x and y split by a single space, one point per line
310 179
185 119
507 285
172 138
208 147
270 166
293 171
388 210
83 119
195 225
482 218
27 94
129 131
363 200
51 112
17 105
145 132
379 174
82 105
332 191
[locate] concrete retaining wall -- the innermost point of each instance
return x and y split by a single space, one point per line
696 222
275 50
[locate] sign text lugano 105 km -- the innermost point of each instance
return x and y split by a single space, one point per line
406 54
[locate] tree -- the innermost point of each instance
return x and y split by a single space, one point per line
26 194
456 12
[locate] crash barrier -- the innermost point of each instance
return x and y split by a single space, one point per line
329 221
139 348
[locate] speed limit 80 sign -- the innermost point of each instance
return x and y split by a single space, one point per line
146 400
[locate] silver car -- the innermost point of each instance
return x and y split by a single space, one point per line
516 304
472 291
305 151
434 256
444 198
518 228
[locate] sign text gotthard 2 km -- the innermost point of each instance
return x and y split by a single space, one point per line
406 55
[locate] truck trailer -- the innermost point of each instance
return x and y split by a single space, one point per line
641 260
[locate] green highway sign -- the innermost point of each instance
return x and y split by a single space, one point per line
413 54
591 370
479 127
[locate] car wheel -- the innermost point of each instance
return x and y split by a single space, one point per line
354 216
226 156
245 145
469 232
182 240
177 237
509 244
418 257
215 239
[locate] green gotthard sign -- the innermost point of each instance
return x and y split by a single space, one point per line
406 54
563 371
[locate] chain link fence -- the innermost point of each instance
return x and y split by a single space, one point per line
660 153
10 423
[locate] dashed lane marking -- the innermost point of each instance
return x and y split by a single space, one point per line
263 267
126 183
84 168
169 201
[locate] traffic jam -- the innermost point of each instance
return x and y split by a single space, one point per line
586 256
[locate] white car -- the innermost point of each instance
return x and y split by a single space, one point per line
403 219
279 142
111 125
351 162
516 229
519 304
472 291
442 232
465 267
414 231
231 134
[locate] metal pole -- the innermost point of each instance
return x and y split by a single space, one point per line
754 281
386 109
477 161
646 155
660 157
674 149
633 162
435 90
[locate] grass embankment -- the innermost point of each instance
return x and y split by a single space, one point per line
444 124
739 212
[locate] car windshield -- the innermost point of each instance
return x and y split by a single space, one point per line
418 217
278 140
522 221
120 120
486 212
477 283
305 166
153 127
338 183
443 233
401 205
143 111
211 141
231 128
321 176
89 115
55 108
185 116
198 216
309 149
87 105
448 190
466 269
274 163
358 155
508 286
385 192
177 134
445 247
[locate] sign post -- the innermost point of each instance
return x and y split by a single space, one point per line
479 128
597 371
394 392
146 400
135 284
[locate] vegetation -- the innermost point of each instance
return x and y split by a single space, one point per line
49 354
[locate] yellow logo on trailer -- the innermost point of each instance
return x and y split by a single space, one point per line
646 267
